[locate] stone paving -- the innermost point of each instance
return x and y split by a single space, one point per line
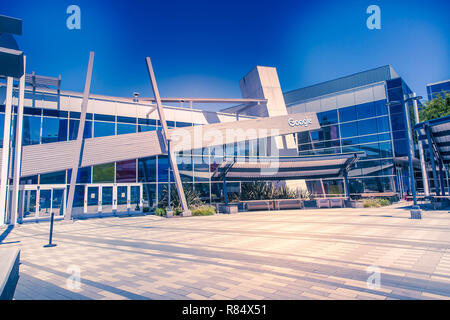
291 254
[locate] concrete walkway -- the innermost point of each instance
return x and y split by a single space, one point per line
299 254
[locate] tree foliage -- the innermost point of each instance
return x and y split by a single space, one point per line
436 108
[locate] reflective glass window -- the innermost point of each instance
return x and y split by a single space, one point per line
349 129
383 124
53 178
31 130
147 169
123 128
163 169
84 175
126 171
103 173
102 129
54 130
398 122
366 110
385 149
149 194
144 128
347 114
368 126
381 107
201 168
401 147
327 117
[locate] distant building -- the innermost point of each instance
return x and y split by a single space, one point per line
440 87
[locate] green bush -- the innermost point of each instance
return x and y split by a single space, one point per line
204 211
378 202
160 212
146 209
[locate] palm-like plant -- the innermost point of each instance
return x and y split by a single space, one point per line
192 198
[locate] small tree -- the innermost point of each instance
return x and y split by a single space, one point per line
436 108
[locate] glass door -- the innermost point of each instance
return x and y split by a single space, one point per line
92 199
58 202
39 201
107 199
122 198
45 202
29 204
135 198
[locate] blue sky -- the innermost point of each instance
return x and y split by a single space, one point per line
202 48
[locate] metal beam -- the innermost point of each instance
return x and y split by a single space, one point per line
79 141
433 165
171 154
18 150
6 151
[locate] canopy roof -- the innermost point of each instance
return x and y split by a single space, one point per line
439 131
285 168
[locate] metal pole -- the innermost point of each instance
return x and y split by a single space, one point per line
169 207
410 155
50 244
225 192
79 141
426 186
165 132
347 188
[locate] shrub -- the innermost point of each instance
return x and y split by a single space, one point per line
146 209
192 197
160 212
379 202
204 211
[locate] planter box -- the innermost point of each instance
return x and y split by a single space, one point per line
353 204
310 204
230 209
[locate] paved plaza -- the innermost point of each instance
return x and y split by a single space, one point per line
291 254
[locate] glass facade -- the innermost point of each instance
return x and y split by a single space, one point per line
372 120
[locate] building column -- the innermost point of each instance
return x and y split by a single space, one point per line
6 152
15 215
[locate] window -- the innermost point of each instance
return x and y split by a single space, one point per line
102 129
401 147
103 173
149 194
349 129
54 130
398 122
201 168
126 171
383 124
53 178
366 110
327 117
84 175
381 107
147 169
73 129
367 126
123 128
31 130
347 114
163 169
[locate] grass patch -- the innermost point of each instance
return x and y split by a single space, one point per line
376 203
203 211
